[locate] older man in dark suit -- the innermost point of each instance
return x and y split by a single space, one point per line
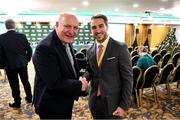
110 71
17 53
56 82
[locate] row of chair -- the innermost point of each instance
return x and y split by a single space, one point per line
152 77
161 61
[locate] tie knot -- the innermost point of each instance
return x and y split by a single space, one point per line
100 46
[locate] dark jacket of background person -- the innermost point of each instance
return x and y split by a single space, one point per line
56 86
17 50
114 74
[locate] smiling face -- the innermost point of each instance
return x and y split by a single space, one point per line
99 29
67 28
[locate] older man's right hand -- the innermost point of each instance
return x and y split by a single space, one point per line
84 83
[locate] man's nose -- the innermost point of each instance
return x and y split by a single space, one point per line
71 30
98 30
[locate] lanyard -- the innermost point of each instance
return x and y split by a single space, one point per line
102 55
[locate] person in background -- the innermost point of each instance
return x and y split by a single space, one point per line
17 53
110 73
56 80
145 60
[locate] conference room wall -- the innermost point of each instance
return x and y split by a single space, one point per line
155 37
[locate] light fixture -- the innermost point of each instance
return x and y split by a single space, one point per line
162 9
85 3
135 5
116 10
73 9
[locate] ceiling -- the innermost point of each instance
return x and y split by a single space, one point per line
123 7
146 8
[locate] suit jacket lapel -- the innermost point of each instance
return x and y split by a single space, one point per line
107 52
93 57
61 51
75 61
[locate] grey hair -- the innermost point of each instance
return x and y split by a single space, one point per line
10 24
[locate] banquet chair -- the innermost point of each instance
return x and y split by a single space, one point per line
149 81
137 84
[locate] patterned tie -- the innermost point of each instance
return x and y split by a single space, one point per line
70 58
100 50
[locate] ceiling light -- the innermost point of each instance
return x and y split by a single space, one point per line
116 9
135 5
85 3
73 9
162 9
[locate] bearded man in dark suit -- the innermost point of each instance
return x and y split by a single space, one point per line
110 71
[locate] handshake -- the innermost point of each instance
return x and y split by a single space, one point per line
84 83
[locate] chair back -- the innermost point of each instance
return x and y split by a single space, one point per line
83 50
75 51
137 73
163 52
134 52
130 49
150 76
81 60
165 59
154 52
174 50
175 58
80 55
165 73
176 73
157 58
134 59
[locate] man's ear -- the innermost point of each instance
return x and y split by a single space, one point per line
56 23
107 27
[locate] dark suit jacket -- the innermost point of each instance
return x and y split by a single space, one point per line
114 75
16 49
56 86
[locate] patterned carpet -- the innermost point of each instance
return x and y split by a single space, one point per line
169 109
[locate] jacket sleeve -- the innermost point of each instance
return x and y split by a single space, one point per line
28 50
127 77
2 57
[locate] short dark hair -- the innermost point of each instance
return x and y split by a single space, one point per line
101 16
10 24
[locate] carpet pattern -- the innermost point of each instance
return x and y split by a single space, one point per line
169 109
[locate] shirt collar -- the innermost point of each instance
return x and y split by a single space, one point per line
11 30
